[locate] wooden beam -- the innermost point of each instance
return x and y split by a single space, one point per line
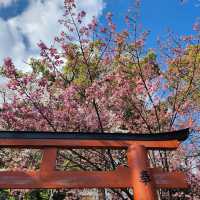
175 179
48 164
179 135
66 144
119 178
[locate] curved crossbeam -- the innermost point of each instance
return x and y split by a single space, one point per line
179 135
19 139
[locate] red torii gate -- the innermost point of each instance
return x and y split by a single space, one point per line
138 175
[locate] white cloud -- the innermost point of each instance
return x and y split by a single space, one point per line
11 43
6 3
38 22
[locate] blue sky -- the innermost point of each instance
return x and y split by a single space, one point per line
159 15
14 9
24 22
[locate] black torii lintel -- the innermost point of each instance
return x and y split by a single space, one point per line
179 135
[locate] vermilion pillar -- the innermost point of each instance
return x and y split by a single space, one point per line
142 181
48 164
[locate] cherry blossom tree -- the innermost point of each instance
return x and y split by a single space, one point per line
94 78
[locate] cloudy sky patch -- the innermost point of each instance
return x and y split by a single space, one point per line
36 20
6 3
23 23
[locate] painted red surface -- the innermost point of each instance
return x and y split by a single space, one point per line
137 175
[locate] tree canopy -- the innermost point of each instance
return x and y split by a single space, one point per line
95 78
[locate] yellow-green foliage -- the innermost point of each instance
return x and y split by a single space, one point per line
81 68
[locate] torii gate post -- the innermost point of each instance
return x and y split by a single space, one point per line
138 175
138 163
